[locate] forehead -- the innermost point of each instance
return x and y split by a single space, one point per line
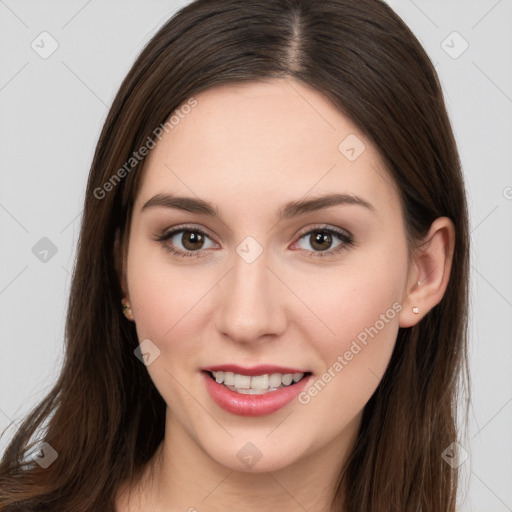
278 139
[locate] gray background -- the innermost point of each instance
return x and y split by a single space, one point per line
52 110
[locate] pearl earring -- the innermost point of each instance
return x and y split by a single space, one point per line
127 310
415 309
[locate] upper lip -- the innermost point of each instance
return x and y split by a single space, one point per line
253 370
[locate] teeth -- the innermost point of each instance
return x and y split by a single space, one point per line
275 380
256 384
229 378
287 379
260 382
242 381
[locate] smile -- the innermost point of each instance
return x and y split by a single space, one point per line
257 394
257 384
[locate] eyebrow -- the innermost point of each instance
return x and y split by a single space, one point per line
291 209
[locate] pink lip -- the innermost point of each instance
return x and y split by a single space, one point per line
253 405
255 370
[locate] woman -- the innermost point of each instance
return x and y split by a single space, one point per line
269 301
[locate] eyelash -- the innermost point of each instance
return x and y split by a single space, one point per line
344 237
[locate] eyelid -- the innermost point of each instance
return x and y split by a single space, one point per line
167 234
345 237
184 227
323 227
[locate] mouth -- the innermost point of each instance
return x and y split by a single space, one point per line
256 384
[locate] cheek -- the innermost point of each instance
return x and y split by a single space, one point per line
366 314
358 305
167 308
166 299
349 301
364 320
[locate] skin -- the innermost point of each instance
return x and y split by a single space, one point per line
249 149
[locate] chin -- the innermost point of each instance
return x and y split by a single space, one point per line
260 456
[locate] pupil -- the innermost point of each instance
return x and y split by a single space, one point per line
192 238
319 237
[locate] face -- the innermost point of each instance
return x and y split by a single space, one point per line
268 275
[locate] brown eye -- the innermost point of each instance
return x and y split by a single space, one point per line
320 241
192 240
324 241
186 241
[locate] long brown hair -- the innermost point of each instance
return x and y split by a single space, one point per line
104 417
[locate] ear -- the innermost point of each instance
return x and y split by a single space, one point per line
430 272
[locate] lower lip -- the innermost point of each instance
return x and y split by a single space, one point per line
252 405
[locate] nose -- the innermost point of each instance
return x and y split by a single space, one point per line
250 302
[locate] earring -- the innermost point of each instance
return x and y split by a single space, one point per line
415 309
127 309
